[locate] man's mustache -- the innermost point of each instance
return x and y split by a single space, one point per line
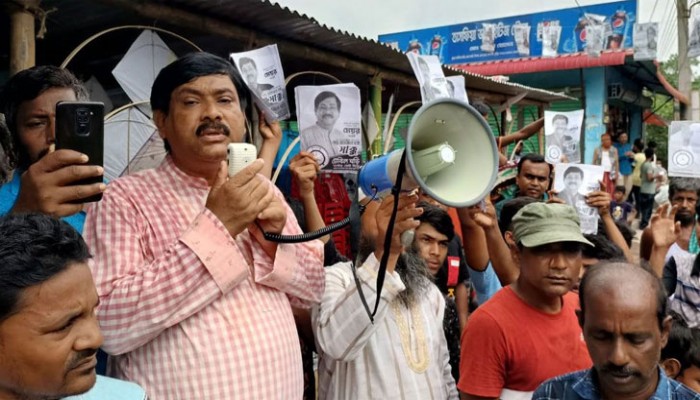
615 370
211 125
81 357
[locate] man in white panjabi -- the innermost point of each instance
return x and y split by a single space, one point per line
403 354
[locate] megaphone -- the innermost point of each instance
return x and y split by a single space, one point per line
450 154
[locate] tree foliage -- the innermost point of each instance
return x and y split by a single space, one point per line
664 108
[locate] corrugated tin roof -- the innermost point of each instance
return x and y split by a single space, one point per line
274 20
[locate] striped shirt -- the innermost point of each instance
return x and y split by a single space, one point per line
361 360
187 311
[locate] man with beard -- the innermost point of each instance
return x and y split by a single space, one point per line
683 194
322 138
49 333
403 353
625 326
528 332
195 303
250 72
43 181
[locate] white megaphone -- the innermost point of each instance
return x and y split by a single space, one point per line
451 155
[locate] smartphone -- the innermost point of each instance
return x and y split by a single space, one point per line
80 127
239 155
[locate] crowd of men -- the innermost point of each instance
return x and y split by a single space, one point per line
171 278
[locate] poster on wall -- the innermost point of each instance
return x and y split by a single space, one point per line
329 120
522 35
261 70
550 40
572 183
562 136
684 149
645 41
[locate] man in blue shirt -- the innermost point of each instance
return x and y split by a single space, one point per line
625 157
43 181
49 333
625 325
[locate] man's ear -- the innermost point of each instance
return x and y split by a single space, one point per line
159 118
513 246
666 330
672 367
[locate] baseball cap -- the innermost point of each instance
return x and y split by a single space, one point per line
539 223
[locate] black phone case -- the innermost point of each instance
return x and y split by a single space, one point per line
80 127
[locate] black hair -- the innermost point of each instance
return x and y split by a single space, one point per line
626 231
678 184
573 170
560 116
481 108
509 209
649 153
247 60
620 189
187 68
604 248
652 144
323 96
683 344
606 267
437 218
535 159
33 249
25 86
638 144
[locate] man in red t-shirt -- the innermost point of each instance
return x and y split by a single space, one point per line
528 332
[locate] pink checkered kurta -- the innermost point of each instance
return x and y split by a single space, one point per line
188 312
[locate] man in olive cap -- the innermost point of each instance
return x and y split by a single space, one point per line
528 332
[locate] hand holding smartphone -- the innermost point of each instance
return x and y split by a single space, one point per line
80 127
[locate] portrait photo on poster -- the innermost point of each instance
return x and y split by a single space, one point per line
550 40
572 182
488 38
562 136
645 42
329 119
431 78
684 149
456 88
522 38
262 72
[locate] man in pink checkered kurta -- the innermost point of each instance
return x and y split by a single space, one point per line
195 304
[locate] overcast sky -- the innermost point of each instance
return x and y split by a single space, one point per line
371 18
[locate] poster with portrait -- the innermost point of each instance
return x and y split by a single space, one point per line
261 70
684 149
694 33
645 41
562 136
488 38
550 40
329 119
430 76
522 38
595 37
572 182
456 87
